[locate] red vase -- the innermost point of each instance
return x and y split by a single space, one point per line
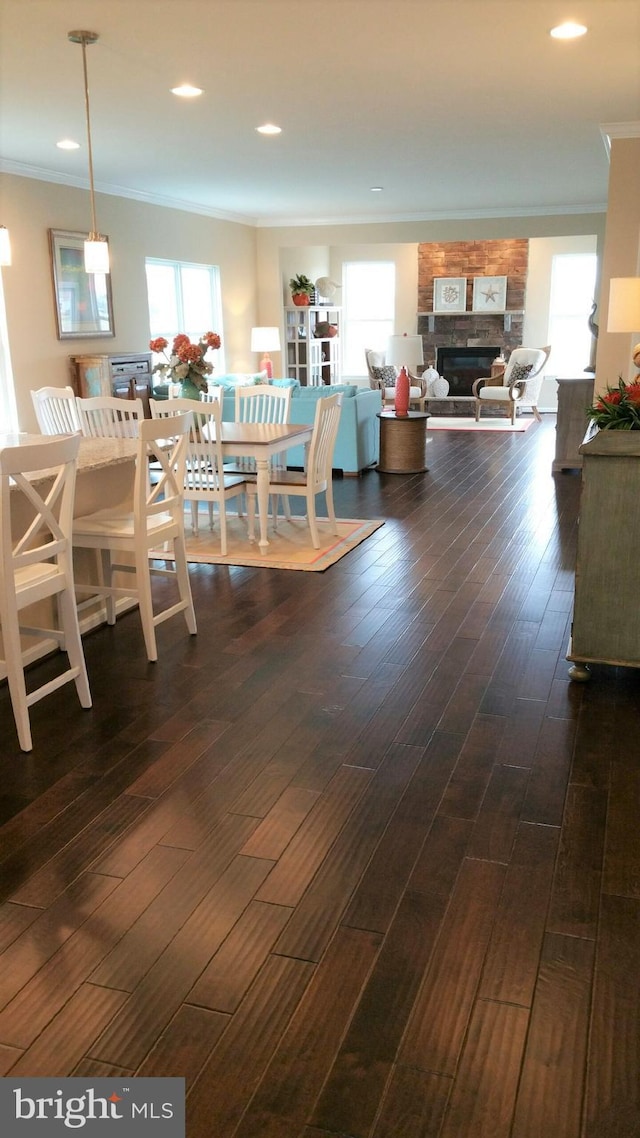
301 299
402 393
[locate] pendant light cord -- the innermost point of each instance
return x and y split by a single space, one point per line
94 228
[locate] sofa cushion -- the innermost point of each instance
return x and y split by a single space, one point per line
239 379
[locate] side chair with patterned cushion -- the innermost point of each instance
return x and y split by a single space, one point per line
519 386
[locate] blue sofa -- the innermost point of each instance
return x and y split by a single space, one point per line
358 441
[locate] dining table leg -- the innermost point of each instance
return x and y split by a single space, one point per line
262 483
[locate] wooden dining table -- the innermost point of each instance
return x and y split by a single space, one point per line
262 441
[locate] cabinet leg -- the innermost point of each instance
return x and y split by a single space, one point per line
580 673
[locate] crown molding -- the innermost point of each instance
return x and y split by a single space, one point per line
24 171
436 215
36 172
610 130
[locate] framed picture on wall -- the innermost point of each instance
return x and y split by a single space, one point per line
449 294
82 300
489 294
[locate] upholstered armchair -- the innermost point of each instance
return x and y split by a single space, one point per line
518 386
382 377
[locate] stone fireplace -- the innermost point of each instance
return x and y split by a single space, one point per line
470 332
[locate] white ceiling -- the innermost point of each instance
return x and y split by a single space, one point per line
455 107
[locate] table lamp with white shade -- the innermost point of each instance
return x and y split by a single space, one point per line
265 340
404 352
624 308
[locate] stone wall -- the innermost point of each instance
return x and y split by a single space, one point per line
472 259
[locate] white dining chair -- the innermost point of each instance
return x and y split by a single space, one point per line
36 564
261 403
56 410
205 479
107 417
154 520
214 394
316 478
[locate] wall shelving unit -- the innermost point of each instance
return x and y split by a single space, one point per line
312 359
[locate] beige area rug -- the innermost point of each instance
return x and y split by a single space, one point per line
453 423
289 546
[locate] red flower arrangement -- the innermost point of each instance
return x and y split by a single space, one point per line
186 363
618 408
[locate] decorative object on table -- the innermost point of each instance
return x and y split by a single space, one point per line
489 294
449 294
326 288
82 300
593 328
302 289
265 340
437 385
186 364
617 408
96 247
402 352
624 309
323 330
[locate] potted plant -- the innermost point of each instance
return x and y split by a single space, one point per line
302 289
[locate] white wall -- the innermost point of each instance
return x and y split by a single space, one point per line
135 230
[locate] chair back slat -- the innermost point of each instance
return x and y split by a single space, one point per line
322 445
263 403
56 410
107 417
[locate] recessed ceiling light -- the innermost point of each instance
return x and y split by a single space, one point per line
269 128
67 144
568 31
376 189
186 91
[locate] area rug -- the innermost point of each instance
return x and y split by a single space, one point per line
289 546
453 423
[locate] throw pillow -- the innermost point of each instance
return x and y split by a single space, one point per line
376 359
519 372
386 375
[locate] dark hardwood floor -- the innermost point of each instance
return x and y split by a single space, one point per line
358 859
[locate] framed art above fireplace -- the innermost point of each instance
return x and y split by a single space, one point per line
489 294
449 294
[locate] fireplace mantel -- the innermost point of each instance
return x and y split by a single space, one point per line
506 315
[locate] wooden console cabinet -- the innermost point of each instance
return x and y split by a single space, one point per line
574 396
606 614
125 375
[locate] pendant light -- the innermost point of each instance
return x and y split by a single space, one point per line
96 249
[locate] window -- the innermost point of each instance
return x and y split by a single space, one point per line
184 298
8 411
573 279
369 296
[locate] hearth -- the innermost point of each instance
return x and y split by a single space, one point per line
462 366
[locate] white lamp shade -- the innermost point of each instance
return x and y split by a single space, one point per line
96 256
624 304
265 340
402 351
5 246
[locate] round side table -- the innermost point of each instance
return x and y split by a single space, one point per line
403 441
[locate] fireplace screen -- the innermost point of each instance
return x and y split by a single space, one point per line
462 366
